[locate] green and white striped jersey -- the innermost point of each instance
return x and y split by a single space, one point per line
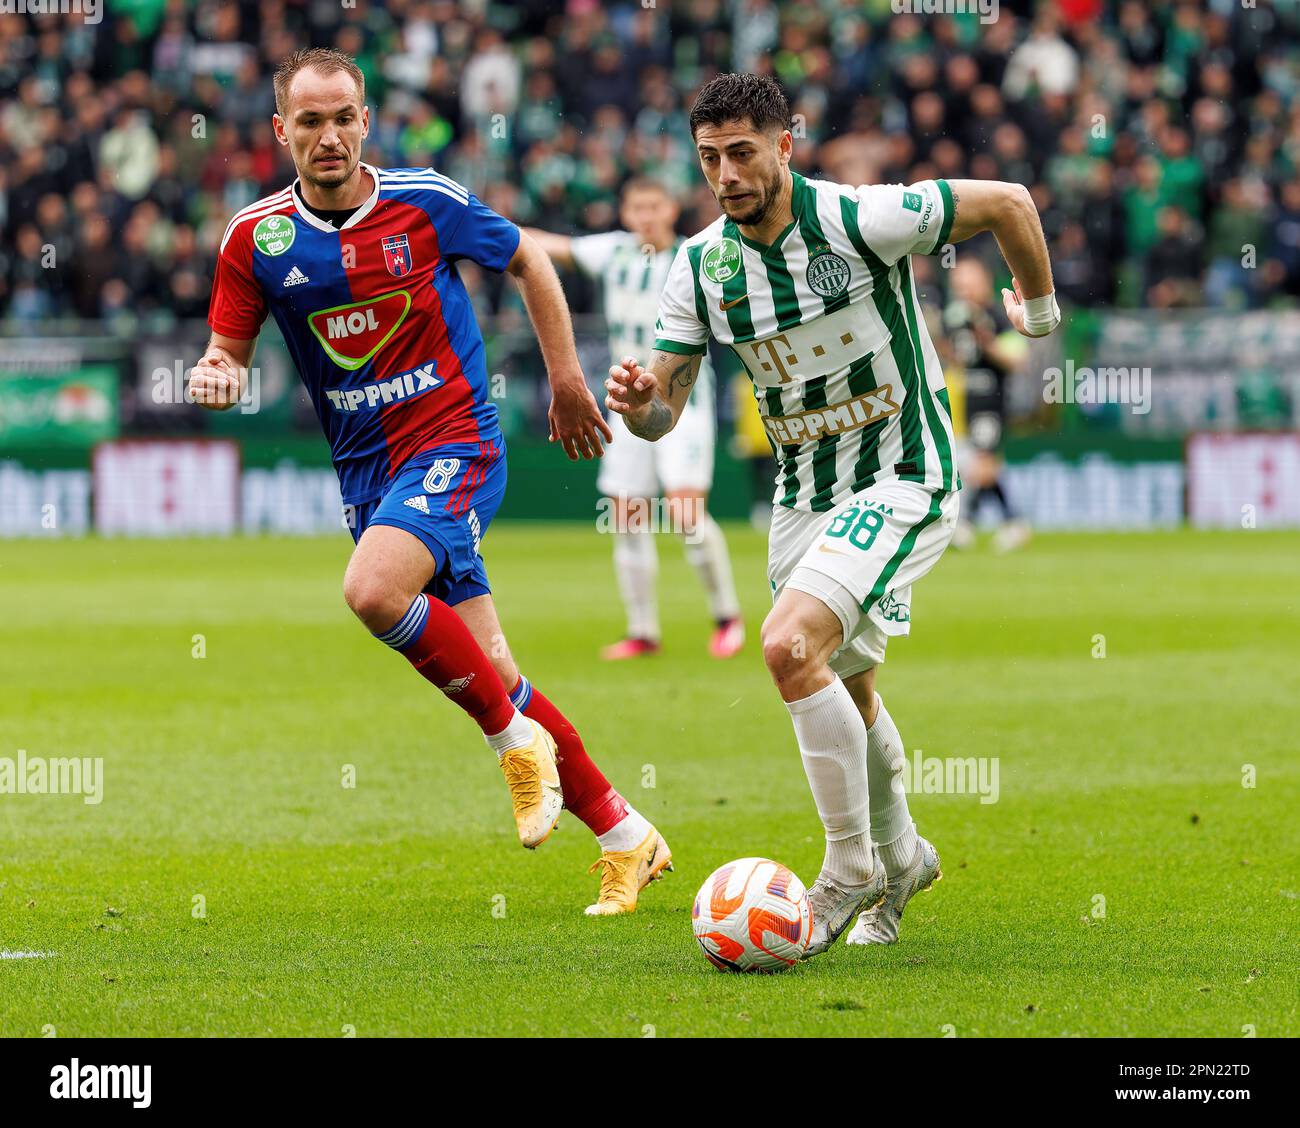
827 323
631 280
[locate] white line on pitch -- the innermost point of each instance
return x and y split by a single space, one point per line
25 955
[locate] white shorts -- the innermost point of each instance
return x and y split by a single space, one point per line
681 460
861 560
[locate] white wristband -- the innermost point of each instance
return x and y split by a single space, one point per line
1042 315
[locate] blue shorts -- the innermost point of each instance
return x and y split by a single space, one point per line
447 497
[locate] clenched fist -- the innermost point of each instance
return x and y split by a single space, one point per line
630 386
215 383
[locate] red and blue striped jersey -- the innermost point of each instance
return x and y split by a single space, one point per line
373 313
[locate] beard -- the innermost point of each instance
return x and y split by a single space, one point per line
757 212
331 177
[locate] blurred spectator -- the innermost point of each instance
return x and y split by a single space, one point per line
1173 267
1044 62
129 154
1235 243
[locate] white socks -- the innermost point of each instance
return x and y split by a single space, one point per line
706 550
636 564
626 834
519 733
891 823
833 743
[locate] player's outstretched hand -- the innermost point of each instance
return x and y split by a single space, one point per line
576 421
214 382
630 386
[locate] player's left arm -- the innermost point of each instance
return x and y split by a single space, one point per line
575 417
1008 211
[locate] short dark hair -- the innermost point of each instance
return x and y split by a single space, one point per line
735 97
326 60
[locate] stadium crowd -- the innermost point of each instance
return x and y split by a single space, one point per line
1161 139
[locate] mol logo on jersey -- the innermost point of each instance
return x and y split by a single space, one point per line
382 392
351 334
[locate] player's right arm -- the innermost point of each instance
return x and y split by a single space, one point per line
652 399
900 219
217 381
1008 210
235 313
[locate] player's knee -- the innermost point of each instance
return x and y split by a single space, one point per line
373 601
786 652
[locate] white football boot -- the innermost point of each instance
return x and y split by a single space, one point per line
833 905
880 924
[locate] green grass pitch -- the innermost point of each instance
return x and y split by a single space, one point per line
1124 883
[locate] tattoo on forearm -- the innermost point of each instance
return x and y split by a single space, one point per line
682 376
654 424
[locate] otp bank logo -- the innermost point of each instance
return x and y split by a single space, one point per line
351 334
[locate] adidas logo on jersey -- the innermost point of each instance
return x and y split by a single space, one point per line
401 387
295 277
420 502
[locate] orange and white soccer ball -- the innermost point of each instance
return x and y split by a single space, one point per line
752 915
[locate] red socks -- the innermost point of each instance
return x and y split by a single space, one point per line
434 639
587 793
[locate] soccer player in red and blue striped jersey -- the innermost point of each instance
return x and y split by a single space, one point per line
358 267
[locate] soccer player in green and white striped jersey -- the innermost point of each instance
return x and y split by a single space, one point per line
810 284
632 267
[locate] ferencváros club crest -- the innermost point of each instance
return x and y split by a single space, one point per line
397 255
828 275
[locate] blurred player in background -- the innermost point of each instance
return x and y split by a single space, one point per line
810 283
357 266
986 359
632 267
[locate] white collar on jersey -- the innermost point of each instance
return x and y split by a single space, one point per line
356 217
